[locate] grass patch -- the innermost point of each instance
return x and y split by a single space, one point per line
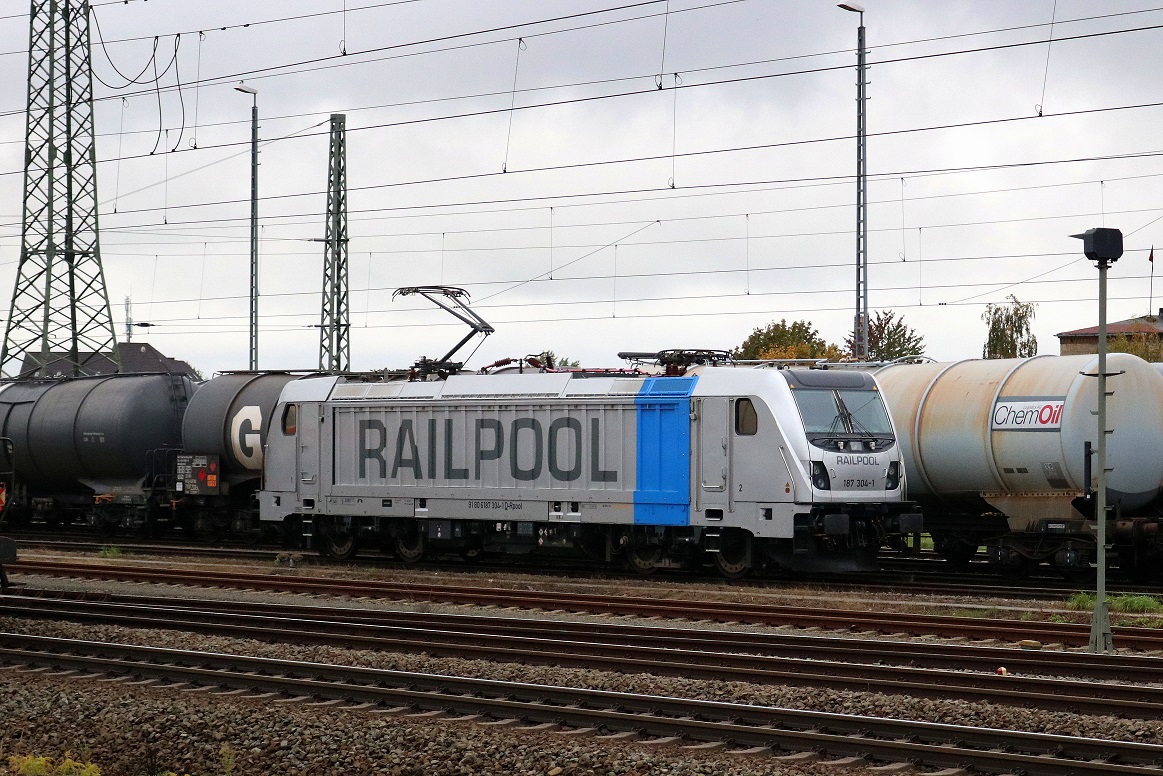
988 613
1081 602
1143 622
109 551
1135 604
1126 604
32 765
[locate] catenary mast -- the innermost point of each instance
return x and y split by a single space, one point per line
60 316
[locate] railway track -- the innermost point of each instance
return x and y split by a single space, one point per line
798 735
960 672
1069 634
904 574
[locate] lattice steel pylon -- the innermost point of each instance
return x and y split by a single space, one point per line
335 324
60 320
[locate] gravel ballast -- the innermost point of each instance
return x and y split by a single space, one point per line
132 729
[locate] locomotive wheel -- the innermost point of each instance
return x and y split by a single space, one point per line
733 561
409 544
643 558
340 546
340 543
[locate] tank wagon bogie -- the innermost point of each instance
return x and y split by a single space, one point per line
657 471
996 451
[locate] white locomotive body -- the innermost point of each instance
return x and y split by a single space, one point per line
745 468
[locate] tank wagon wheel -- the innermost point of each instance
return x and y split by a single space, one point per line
733 560
409 544
1076 575
953 549
16 518
1139 570
208 530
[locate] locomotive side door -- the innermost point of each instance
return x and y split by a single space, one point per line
310 422
713 455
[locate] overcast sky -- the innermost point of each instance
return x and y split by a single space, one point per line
628 217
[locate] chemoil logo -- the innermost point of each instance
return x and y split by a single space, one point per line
246 436
1028 414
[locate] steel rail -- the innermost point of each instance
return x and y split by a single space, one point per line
718 611
905 574
665 657
839 735
1111 666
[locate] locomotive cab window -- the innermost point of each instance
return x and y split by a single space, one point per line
291 419
842 411
746 419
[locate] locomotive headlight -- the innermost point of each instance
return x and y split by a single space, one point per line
892 480
820 479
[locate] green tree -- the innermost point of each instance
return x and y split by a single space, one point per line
889 338
1144 344
554 361
783 340
1010 332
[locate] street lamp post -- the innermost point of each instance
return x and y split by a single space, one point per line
253 224
1103 247
860 344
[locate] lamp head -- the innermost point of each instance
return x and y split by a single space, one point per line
1101 244
246 89
851 7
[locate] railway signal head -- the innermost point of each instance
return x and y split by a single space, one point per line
1103 245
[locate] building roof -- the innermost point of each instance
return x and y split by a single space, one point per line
136 358
1146 324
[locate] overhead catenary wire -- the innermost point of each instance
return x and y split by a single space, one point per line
684 313
361 215
654 275
257 73
747 237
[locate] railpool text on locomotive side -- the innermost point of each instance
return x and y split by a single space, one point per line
529 446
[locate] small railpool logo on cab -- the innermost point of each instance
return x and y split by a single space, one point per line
1028 414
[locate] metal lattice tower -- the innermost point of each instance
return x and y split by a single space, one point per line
335 325
60 315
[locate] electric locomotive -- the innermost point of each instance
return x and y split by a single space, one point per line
744 468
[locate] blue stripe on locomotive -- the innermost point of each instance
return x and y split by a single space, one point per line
663 407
